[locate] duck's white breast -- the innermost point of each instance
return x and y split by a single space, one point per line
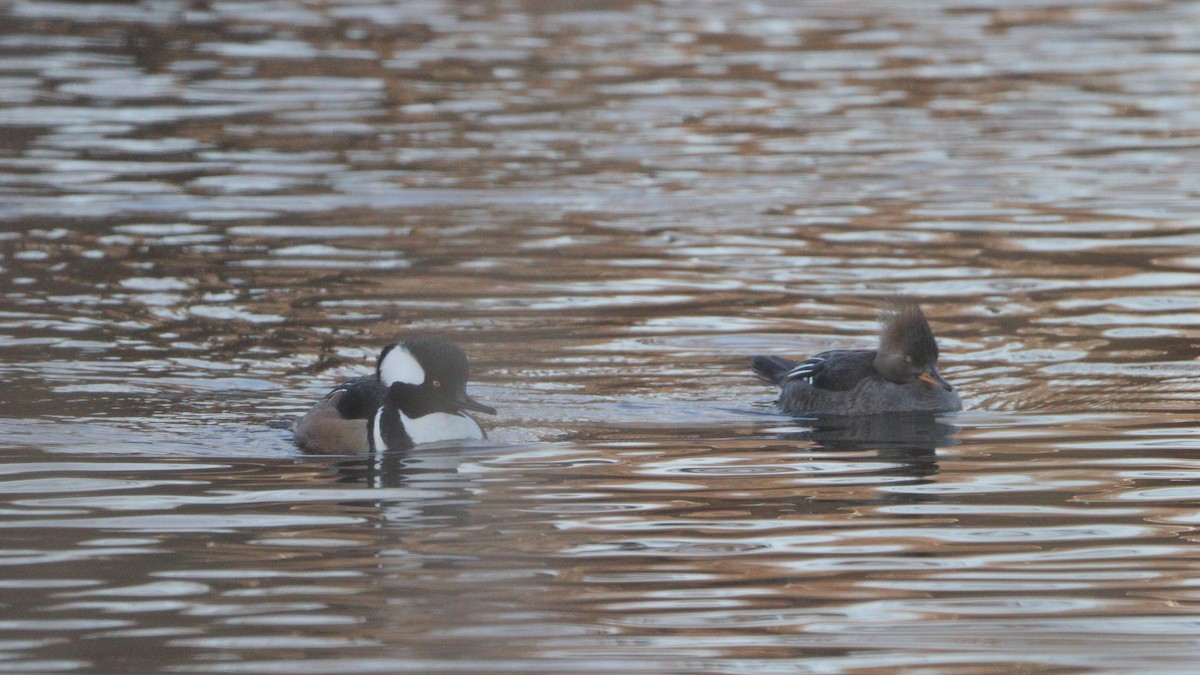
436 427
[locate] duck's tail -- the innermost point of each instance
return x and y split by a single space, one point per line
773 369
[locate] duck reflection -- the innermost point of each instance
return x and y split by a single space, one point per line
435 468
436 494
883 432
385 469
910 440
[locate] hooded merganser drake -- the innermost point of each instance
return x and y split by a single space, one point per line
900 377
418 394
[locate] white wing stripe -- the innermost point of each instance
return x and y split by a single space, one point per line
805 370
377 430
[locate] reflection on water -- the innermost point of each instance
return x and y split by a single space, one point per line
212 212
917 432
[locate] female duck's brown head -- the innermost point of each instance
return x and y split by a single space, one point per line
907 352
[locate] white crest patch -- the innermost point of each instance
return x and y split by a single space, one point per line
441 426
400 366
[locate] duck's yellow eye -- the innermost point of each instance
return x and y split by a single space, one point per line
436 383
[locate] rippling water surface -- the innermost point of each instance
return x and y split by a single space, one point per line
212 211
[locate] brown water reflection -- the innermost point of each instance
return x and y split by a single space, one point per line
210 212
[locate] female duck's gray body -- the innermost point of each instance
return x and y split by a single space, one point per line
418 394
900 377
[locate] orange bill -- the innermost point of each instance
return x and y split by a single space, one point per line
931 377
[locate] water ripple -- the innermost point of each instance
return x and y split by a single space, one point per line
213 212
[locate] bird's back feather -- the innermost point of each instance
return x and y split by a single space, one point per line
842 369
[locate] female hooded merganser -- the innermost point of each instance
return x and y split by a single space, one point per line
417 395
900 377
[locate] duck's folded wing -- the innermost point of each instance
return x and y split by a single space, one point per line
838 370
358 399
806 369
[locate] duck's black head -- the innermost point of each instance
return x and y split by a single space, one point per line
907 349
426 375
